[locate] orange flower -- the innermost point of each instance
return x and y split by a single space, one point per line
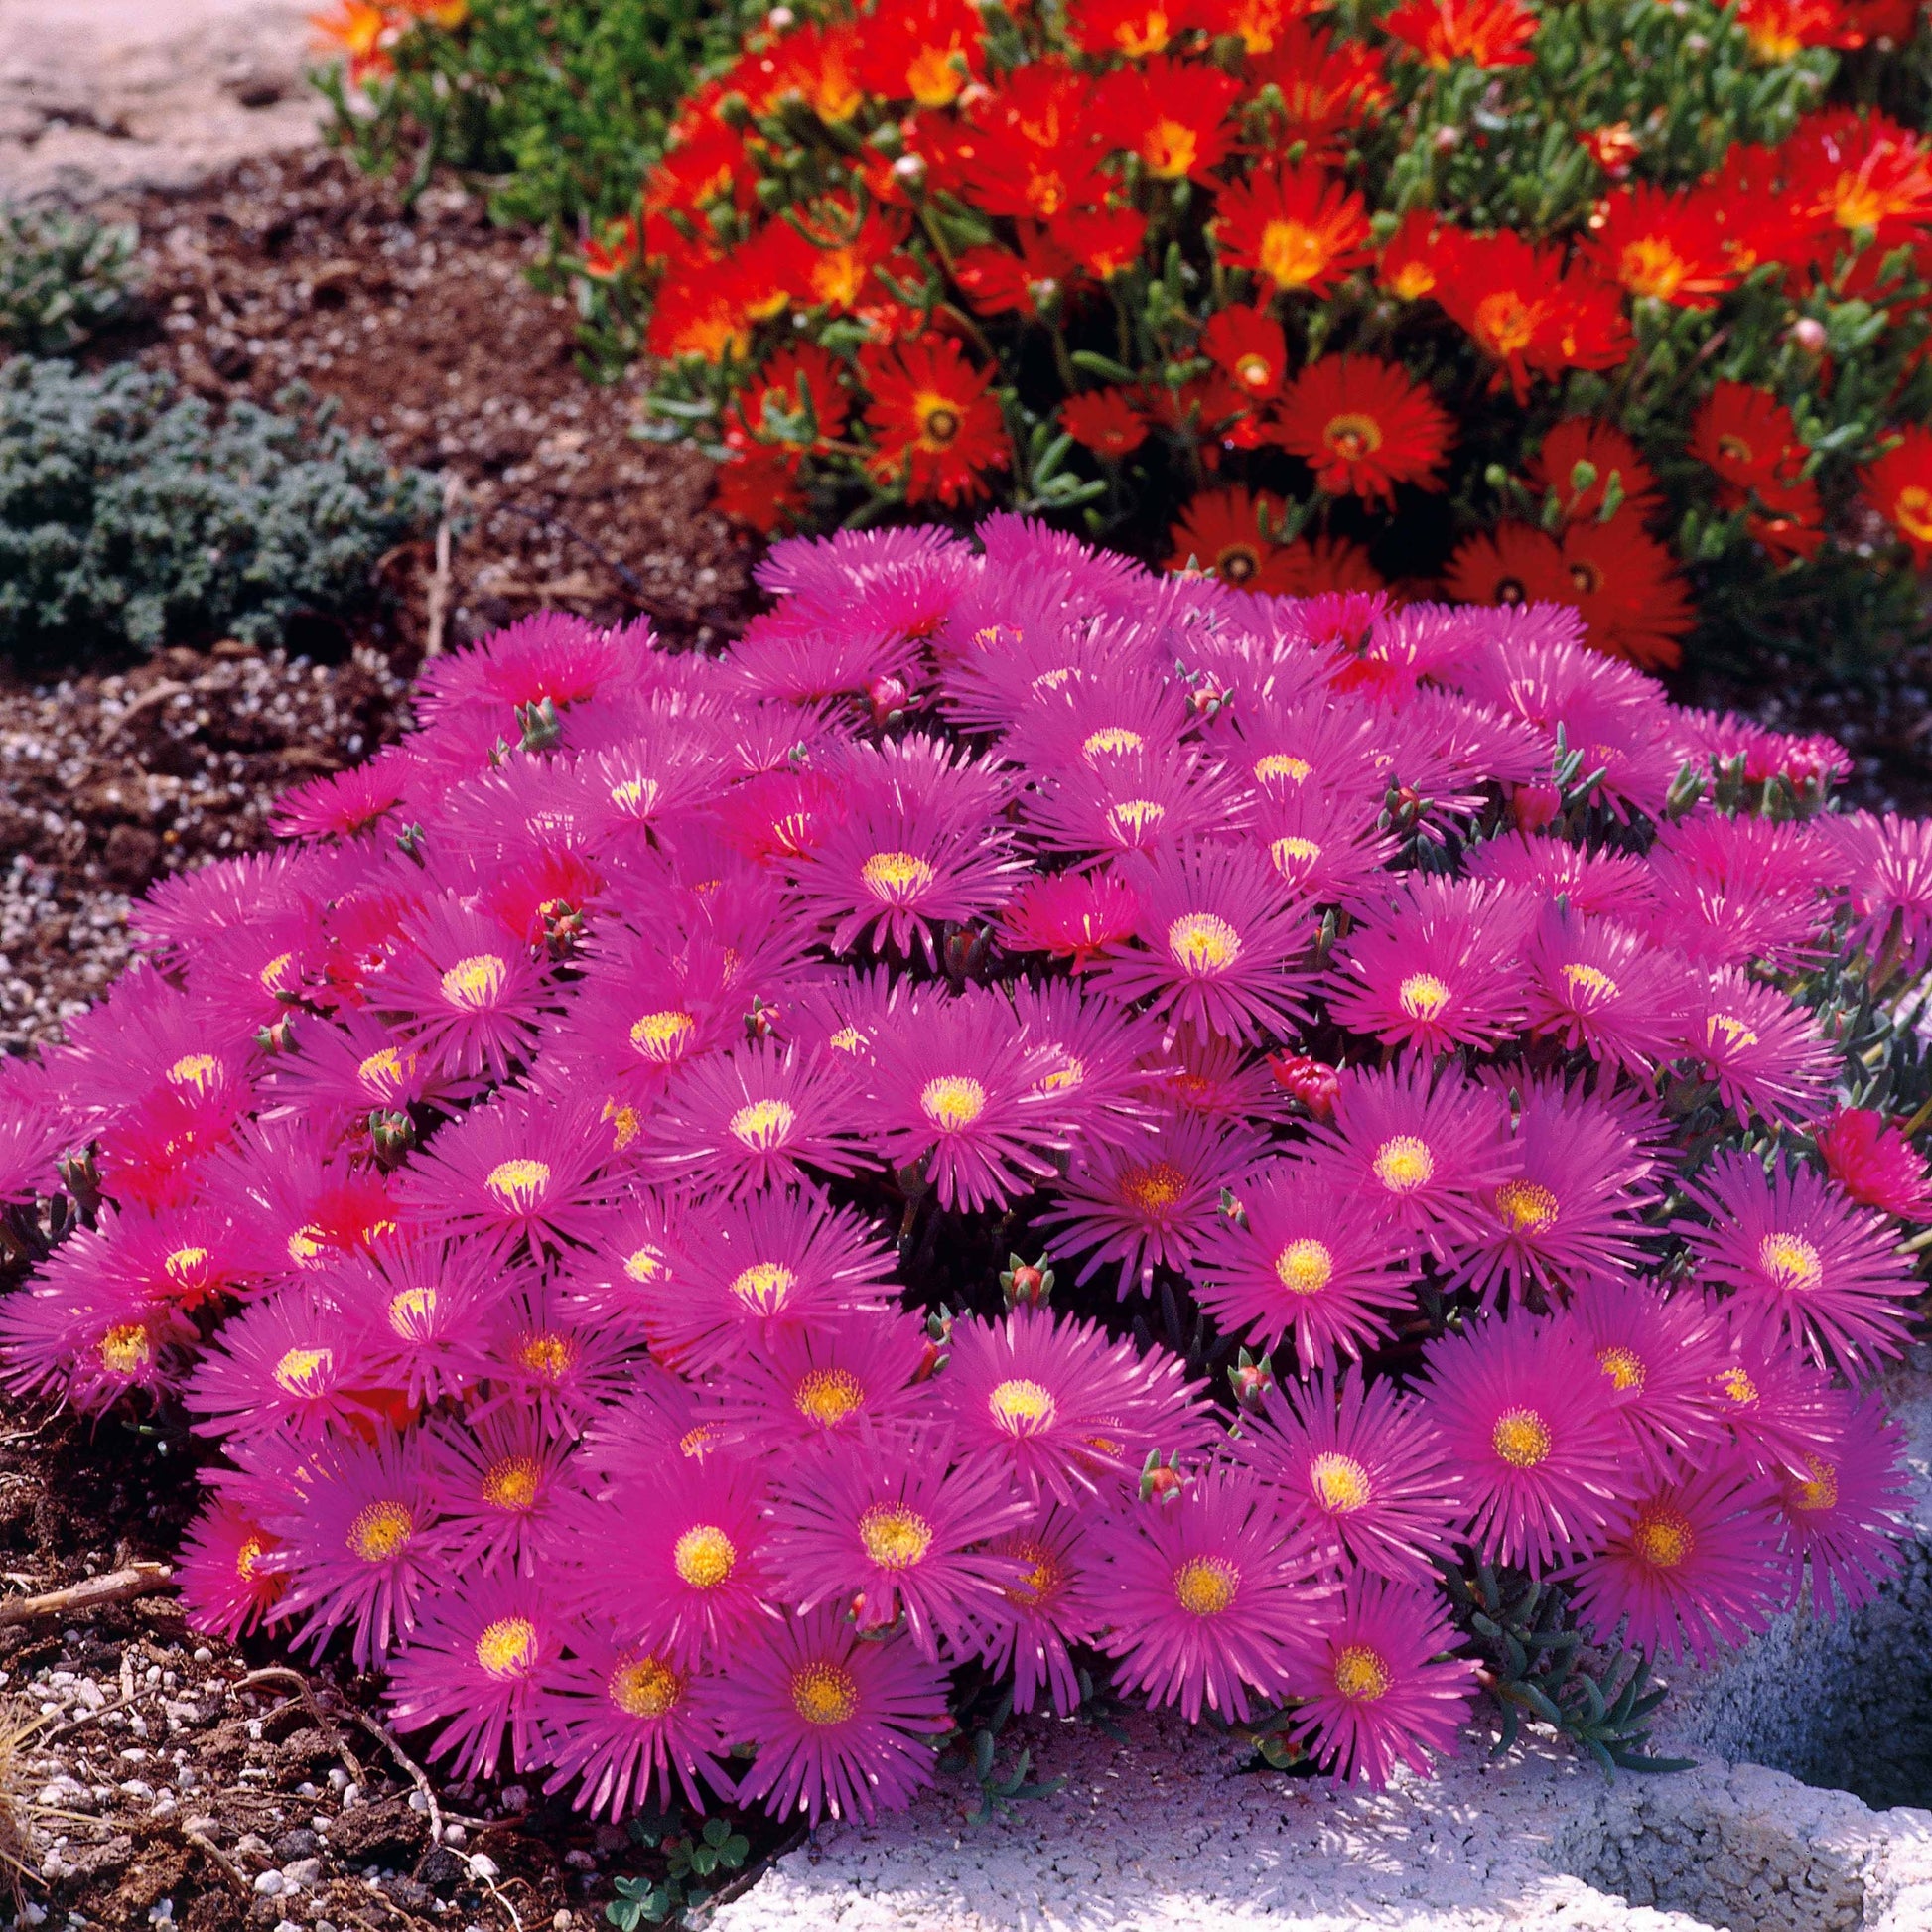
1325 89
1661 244
925 50
704 317
1103 240
1028 150
757 486
1525 312
1294 223
1172 114
1614 147
362 32
934 423
1247 345
1104 422
1219 531
1780 30
820 66
1486 32
1363 427
1865 175
1899 486
1132 27
795 400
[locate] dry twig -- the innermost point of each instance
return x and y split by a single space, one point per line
91 1593
439 582
324 1721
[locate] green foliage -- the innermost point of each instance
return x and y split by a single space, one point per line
130 518
714 1850
982 1707
62 277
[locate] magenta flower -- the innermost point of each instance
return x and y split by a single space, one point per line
1153 1202
1378 1688
500 1489
1842 1514
1305 1258
228 1579
1887 866
882 1520
538 1357
843 1723
478 1657
1419 1147
1076 915
1217 948
467 992
1069 1410
1592 884
1437 967
1058 1598
954 1087
808 1384
1763 1051
356 1543
354 1068
551 655
1210 1595
1766 1398
1601 987
1528 1422
1363 1465
1691 1563
1084 1055
1660 1354
622 1721
345 804
1572 1212
745 1271
1876 1164
1142 799
1802 1259
1324 845
412 1309
757 1118
289 1362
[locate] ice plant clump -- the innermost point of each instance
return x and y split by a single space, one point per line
708 1211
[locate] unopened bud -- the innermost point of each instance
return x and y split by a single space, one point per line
1312 1082
779 18
277 1039
1251 1380
1808 332
888 696
1161 1482
1024 1283
391 1135
539 725
1446 140
563 927
762 1022
909 168
1535 805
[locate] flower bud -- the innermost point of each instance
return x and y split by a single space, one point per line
1535 805
1445 140
887 695
1807 333
1312 1082
909 168
1024 1283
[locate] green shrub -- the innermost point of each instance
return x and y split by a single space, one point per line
62 277
131 518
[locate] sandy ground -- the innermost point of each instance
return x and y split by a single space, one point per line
113 94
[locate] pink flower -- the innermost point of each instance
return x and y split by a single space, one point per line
478 1657
1599 986
1085 1054
1660 1355
1760 1048
1061 1405
412 1307
289 1362
1364 1466
467 992
1842 1514
1056 1600
500 1489
1219 949
1305 1258
1690 1562
1140 801
1802 1259
227 1573
808 1384
1527 1420
843 1725
1211 1594
1076 915
1150 1203
1376 1688
1887 866
882 1521
1876 1164
1440 967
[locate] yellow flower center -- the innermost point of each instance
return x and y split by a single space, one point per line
1169 149
952 1101
828 1394
897 877
476 982
662 1035
1423 996
306 1243
1820 1491
644 1687
1043 1580
895 1538
185 1267
511 1484
848 1039
247 1558
194 1070
1340 1483
634 796
1290 852
1352 437
1133 818
1623 1366
549 1357
1591 980
940 421
1154 1189
1306 1266
271 974
644 1264
380 1531
1738 1387
1505 323
1790 1262
1735 1033
1527 1206
1291 254
126 1349
411 1312
520 1185
1020 1407
824 1694
305 1371
1413 280
764 1286
1283 765
1360 1673
1662 1537
704 1555
1253 371
1651 266
381 1068
1913 511
1207 1586
1404 1163
1112 741
507 1647
626 1121
1521 1439
1203 943
763 1124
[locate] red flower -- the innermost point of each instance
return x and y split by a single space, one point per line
1780 30
1865 176
616 252
1173 114
1515 563
1323 566
1661 244
1219 530
1364 427
1614 147
1103 240
1899 486
1294 223
820 67
916 50
1104 422
1027 151
934 421
796 400
1248 347
1750 441
1486 32
1629 591
997 283
1417 256
1583 439
1132 27
1326 89
1527 313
